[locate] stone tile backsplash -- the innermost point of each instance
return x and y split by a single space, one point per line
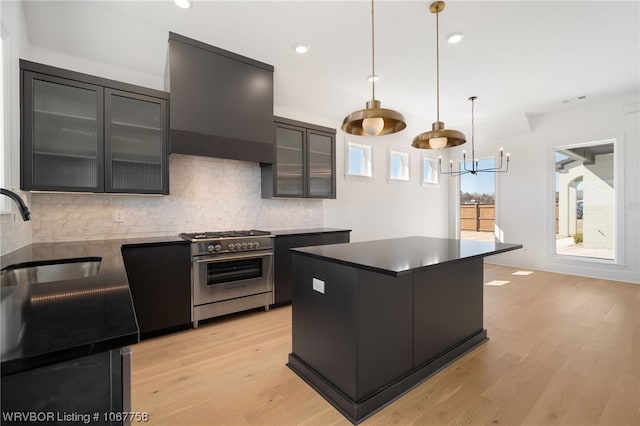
206 194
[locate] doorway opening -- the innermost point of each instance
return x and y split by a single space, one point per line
477 203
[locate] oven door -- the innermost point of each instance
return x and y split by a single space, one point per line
229 276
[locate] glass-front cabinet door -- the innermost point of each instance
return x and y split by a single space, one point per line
135 149
305 161
290 165
63 134
320 164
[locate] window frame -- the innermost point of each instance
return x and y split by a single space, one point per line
405 158
618 206
435 171
368 154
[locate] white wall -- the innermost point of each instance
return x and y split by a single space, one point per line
14 233
379 209
526 192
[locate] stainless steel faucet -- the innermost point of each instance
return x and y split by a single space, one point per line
24 211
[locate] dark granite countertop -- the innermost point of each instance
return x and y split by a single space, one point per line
307 231
48 322
401 256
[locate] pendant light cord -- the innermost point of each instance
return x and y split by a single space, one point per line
437 67
373 57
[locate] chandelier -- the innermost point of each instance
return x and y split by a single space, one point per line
475 169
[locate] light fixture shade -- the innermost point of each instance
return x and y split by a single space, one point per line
453 137
393 120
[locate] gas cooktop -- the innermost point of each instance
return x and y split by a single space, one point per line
195 236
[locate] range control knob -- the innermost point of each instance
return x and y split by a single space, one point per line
217 247
244 246
210 248
256 244
232 246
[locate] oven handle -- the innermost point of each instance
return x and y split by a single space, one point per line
222 258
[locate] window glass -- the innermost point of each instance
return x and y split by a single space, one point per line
398 165
430 174
585 195
359 160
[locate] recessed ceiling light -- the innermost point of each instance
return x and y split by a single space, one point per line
301 48
184 4
456 37
372 78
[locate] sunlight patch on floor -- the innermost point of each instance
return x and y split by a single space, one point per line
522 273
497 282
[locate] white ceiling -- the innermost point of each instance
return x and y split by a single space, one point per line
520 58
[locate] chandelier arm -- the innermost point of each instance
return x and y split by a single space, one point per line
440 167
493 171
488 169
464 163
497 169
451 171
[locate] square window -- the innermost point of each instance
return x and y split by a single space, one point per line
430 174
398 165
359 160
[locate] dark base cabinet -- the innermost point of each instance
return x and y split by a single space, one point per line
94 389
362 338
282 257
160 280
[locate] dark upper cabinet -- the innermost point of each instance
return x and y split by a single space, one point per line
82 133
304 164
221 102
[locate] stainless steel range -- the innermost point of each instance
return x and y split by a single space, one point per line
231 271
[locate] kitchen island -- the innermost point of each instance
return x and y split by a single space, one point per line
373 319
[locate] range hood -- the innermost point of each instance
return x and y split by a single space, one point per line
221 103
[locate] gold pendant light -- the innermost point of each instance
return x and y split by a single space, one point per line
373 120
438 137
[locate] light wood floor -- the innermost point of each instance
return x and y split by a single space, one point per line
563 350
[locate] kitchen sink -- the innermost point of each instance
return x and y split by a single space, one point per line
49 270
16 281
